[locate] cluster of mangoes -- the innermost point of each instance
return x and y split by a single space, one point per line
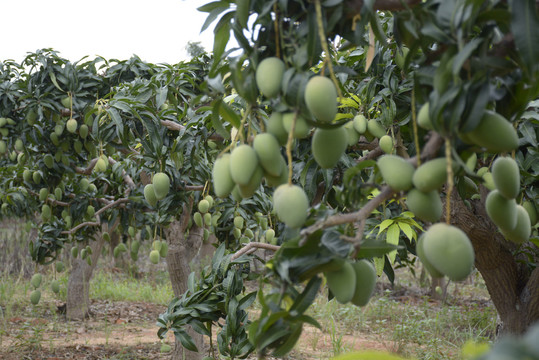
158 189
85 253
159 250
352 281
204 219
512 219
242 170
36 281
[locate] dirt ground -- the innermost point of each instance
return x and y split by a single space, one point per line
124 330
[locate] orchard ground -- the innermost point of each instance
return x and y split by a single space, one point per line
127 297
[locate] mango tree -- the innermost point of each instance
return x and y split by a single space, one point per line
376 121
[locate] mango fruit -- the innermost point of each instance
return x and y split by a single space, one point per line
426 263
502 211
360 123
301 129
365 282
321 98
375 128
46 212
522 231
250 188
386 144
532 211
203 206
431 175
291 204
83 131
352 136
71 125
396 171
55 286
161 185
342 282
426 206
275 127
27 175
328 146
506 176
222 178
269 76
423 117
494 133
268 151
154 256
243 164
36 280
149 195
449 250
35 296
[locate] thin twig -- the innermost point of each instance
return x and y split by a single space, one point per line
253 246
81 225
431 147
110 205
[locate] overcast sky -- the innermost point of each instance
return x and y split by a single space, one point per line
156 30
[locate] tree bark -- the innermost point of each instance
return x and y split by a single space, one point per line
78 285
513 287
181 250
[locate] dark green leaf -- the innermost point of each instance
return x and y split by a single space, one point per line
525 27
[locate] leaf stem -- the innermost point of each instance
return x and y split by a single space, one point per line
325 48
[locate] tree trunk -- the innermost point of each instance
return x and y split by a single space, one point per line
513 287
78 286
182 249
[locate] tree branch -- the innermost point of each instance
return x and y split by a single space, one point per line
110 205
88 170
431 147
81 225
253 246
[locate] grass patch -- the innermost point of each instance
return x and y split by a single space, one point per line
412 326
119 287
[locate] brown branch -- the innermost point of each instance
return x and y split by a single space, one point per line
431 147
81 225
88 170
253 246
126 178
171 125
340 219
110 205
54 202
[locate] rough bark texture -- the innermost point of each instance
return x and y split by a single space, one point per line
78 286
182 249
514 289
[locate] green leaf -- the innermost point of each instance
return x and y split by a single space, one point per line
373 248
185 339
392 237
216 120
222 35
385 224
306 298
406 229
291 340
229 115
464 54
525 25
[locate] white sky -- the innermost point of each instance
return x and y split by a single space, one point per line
155 30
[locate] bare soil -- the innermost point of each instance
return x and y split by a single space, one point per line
125 330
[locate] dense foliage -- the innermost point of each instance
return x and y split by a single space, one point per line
337 206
